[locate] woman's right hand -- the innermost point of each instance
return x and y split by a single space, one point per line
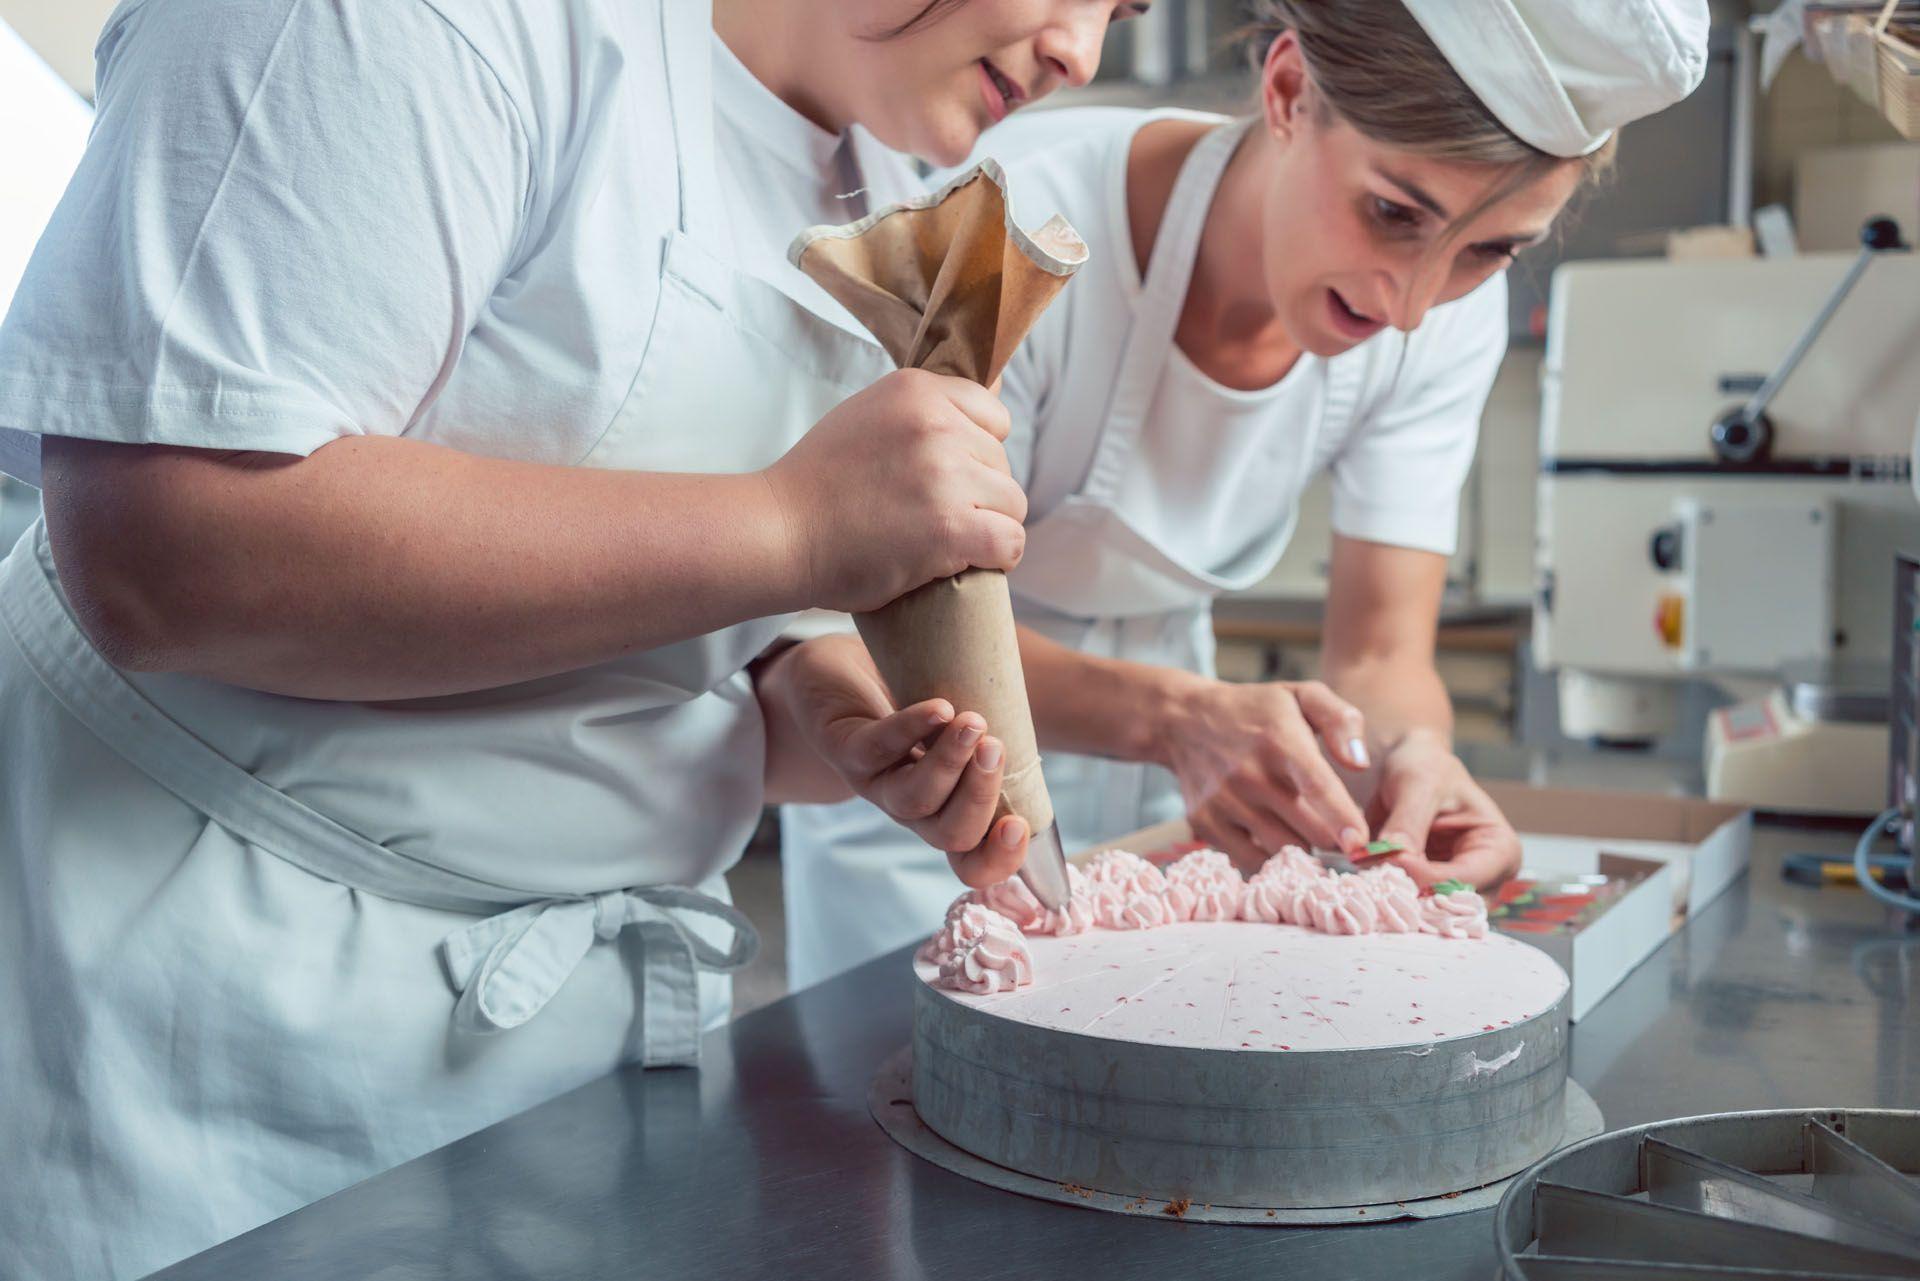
901 484
1255 764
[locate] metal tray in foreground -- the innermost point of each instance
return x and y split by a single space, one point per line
1805 1194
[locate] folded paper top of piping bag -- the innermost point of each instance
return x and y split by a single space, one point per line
947 282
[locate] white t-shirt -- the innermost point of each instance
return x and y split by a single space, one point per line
450 219
437 218
1398 454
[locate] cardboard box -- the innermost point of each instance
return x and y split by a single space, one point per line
1707 842
1645 861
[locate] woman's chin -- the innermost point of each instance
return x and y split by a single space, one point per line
942 139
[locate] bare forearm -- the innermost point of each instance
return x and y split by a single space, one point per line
386 568
1098 706
1397 695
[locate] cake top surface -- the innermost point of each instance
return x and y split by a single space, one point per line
1259 986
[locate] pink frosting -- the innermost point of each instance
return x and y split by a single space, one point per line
1333 908
1459 915
966 921
1290 863
995 959
979 947
1127 872
1077 916
1118 909
1394 896
1013 900
1204 886
1261 899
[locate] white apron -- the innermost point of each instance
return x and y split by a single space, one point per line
857 885
222 1002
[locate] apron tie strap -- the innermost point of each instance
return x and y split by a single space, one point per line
507 967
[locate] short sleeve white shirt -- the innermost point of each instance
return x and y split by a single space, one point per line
438 218
1398 451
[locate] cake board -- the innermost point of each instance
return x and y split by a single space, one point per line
890 1101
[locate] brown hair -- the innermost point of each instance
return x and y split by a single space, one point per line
1376 69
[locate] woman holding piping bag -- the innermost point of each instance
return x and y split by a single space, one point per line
1316 288
431 433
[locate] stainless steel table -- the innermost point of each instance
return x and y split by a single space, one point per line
765 1164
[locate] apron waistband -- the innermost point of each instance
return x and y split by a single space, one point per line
504 968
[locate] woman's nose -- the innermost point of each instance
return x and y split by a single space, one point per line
1414 292
1070 45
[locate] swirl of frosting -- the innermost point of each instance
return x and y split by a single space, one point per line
1292 863
994 960
1013 900
966 921
1076 917
1459 915
1395 898
1127 872
1202 865
1265 899
1115 908
1203 886
1331 908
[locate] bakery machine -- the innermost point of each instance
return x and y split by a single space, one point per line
1726 473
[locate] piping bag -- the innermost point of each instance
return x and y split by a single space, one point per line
948 283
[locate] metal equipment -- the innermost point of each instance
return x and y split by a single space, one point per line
1680 537
1743 1194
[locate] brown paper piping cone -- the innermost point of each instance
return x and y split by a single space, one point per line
950 284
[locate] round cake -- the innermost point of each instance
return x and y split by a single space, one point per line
1247 1063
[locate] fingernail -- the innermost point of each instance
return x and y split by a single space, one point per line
1357 749
1352 838
1012 832
989 754
970 734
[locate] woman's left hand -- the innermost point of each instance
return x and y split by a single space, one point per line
935 773
1450 827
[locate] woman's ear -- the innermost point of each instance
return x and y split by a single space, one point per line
1284 86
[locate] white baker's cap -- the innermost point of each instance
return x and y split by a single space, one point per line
1564 74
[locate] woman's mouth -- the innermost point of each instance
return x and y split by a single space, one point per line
1001 93
1350 323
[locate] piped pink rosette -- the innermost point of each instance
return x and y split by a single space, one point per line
1203 886
1013 900
1393 896
1279 892
1128 892
1461 914
988 954
966 921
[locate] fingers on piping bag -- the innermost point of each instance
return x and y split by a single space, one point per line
948 283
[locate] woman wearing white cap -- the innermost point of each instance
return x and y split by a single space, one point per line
1317 288
429 423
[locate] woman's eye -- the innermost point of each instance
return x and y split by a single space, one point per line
1393 214
1123 12
1499 255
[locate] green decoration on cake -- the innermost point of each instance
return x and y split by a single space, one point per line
1451 887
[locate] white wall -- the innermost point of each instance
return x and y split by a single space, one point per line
62 32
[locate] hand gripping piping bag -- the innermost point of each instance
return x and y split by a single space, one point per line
948 283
